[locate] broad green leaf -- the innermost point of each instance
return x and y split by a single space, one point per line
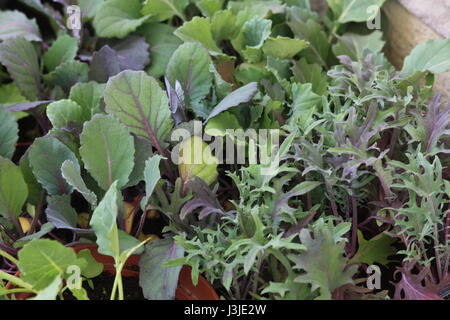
376 250
156 281
9 134
60 212
152 175
50 292
163 44
255 33
118 18
64 49
92 268
198 30
143 152
138 101
209 7
107 150
103 221
62 112
223 25
34 187
71 172
305 25
41 260
14 24
283 47
68 74
190 66
161 10
21 60
10 94
353 45
354 10
13 189
237 97
46 158
197 160
218 125
89 8
432 56
88 96
311 73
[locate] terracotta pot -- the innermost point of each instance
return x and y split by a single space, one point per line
185 291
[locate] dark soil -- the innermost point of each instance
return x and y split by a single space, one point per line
103 287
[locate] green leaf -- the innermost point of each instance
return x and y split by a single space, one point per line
223 25
9 134
107 150
71 172
68 74
197 160
255 33
89 8
20 59
376 250
138 101
41 260
14 24
88 96
118 18
283 47
304 24
304 104
143 152
50 292
218 125
190 66
311 73
62 112
60 213
353 45
64 49
34 187
323 262
157 281
432 56
198 30
10 94
237 97
13 189
209 7
152 175
46 158
354 10
92 268
163 44
103 221
161 10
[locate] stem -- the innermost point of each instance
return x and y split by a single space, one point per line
436 239
393 142
37 214
9 257
354 224
118 284
15 280
332 199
